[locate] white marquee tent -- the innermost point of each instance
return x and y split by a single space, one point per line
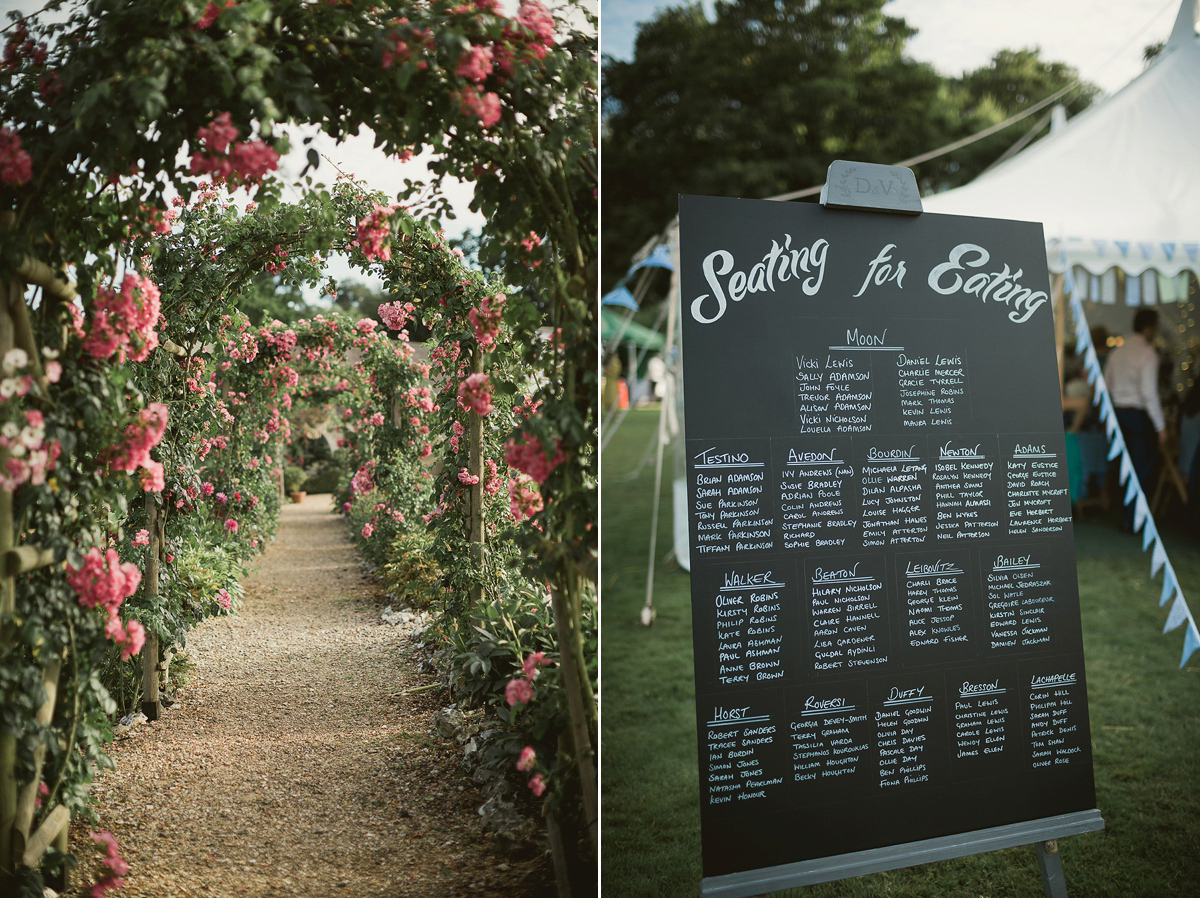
1119 185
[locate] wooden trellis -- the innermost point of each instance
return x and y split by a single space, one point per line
22 844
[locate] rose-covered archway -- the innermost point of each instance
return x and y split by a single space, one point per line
142 415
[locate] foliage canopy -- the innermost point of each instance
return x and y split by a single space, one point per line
759 100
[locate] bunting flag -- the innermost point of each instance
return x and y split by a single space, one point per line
1126 469
659 258
1169 586
620 297
1143 520
1149 535
1091 363
1142 260
1191 641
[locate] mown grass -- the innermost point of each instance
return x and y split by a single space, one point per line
1145 717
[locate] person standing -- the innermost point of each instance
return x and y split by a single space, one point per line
1131 372
611 392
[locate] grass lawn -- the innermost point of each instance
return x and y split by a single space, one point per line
1145 719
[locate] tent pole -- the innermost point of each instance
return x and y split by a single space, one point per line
1060 325
648 612
641 352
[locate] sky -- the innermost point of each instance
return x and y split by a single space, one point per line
1103 39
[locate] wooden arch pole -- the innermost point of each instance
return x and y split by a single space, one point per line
10 291
475 493
151 698
20 844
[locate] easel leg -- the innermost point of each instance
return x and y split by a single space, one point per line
1054 885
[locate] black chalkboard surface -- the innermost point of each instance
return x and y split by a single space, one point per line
885 608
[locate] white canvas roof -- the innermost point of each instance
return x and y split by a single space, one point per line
1119 185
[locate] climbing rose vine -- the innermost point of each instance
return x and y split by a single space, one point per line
475 394
16 167
125 320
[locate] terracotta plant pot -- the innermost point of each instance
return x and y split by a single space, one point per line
297 495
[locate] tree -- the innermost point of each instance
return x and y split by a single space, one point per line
760 100
1012 81
269 297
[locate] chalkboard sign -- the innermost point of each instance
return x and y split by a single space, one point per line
885 608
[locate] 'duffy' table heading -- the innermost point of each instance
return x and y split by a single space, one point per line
885 609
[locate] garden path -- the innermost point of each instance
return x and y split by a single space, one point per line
296 761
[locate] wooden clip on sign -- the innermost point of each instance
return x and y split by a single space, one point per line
889 660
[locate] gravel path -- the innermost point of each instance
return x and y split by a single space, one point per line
295 762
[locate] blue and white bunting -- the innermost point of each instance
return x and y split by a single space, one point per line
659 258
1170 587
1179 613
620 297
1158 558
1134 488
1141 512
1117 441
1143 520
1126 468
1191 641
1149 535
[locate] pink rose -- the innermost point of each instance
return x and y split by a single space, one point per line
475 394
532 663
475 64
518 690
527 760
527 455
16 167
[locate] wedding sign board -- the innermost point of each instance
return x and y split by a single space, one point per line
885 608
